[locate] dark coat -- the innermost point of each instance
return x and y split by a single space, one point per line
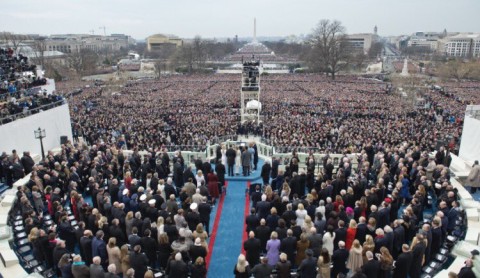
308 267
417 254
139 262
197 251
86 246
262 271
289 247
339 260
466 272
402 265
371 269
231 154
253 248
96 271
252 221
99 249
340 235
361 233
149 246
177 269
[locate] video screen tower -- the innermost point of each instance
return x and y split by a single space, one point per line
250 92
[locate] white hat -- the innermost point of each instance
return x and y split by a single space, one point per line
193 206
125 191
152 202
198 241
143 197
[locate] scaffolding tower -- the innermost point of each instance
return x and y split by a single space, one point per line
250 92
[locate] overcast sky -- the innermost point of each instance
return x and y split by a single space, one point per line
227 18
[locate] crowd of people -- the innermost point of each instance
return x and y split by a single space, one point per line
12 73
366 221
139 219
152 212
18 87
27 105
298 111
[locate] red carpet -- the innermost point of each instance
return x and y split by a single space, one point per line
213 234
246 213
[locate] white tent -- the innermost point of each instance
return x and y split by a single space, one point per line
254 104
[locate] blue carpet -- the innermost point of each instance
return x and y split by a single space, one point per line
228 242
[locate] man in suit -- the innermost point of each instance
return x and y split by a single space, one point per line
99 248
372 267
139 261
231 154
339 260
361 230
383 215
263 207
437 238
220 169
149 247
274 171
252 221
266 169
466 271
308 267
289 246
316 241
380 240
117 232
398 237
328 169
204 210
262 270
134 239
452 216
340 234
86 245
402 264
262 232
27 162
246 161
252 247
96 270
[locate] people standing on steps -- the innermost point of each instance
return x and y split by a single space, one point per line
238 160
231 157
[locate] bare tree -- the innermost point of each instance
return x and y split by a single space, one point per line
192 55
14 40
39 47
329 52
83 61
199 51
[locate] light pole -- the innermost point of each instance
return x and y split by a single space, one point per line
40 134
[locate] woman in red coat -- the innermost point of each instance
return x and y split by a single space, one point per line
213 186
351 232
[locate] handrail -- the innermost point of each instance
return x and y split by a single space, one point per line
13 117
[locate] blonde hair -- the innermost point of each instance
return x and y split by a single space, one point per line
241 263
356 244
274 235
353 224
112 242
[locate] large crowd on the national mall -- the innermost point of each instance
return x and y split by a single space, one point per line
362 216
